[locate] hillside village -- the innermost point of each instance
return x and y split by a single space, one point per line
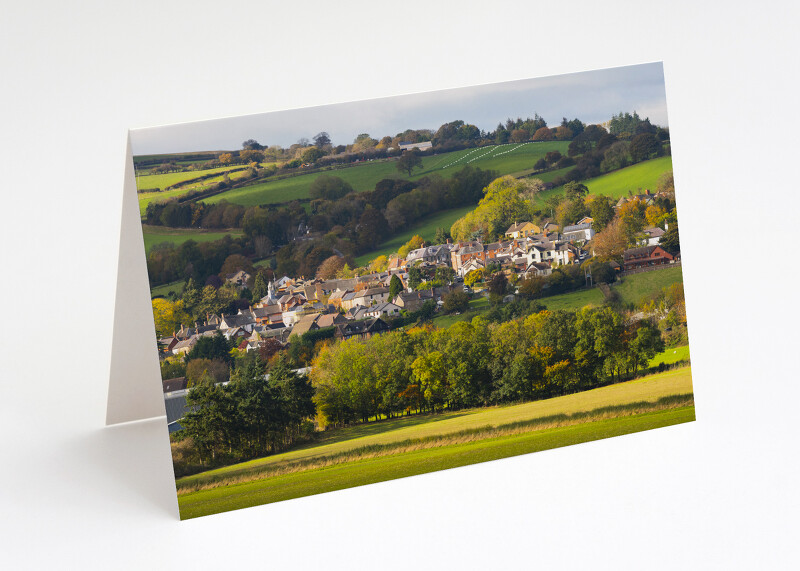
363 306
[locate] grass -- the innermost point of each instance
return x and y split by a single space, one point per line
364 176
650 388
157 234
670 356
385 468
573 300
634 287
146 198
165 289
425 228
167 179
616 184
477 306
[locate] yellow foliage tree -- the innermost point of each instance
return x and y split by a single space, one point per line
168 316
413 244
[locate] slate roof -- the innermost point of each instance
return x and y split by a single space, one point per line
576 228
306 323
176 384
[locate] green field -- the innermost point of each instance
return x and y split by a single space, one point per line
156 234
164 290
146 198
634 287
616 184
364 176
573 300
366 471
670 356
650 388
167 179
477 306
425 228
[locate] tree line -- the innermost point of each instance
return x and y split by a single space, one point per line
478 363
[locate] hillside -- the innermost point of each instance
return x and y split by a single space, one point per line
506 159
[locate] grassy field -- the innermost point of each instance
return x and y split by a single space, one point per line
636 286
477 306
166 179
573 300
650 388
146 198
425 228
157 234
670 356
364 176
616 184
366 471
164 290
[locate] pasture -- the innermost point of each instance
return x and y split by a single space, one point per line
158 234
633 288
573 300
363 176
146 198
670 356
636 178
649 388
425 228
633 394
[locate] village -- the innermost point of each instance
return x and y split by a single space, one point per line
365 305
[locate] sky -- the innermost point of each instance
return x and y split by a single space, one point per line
591 96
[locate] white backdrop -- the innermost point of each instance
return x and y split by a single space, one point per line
719 493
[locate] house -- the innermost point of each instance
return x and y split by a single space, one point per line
424 146
184 346
364 329
371 296
330 319
383 310
523 230
305 324
439 254
464 252
172 385
335 298
585 220
653 235
239 279
538 269
578 232
412 301
645 257
244 320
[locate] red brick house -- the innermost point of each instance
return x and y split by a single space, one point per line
646 256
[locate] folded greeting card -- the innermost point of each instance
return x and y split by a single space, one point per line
352 293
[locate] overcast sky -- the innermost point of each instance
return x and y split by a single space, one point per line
591 96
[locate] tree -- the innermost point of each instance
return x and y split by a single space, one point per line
395 286
455 301
311 155
168 316
498 284
445 275
234 263
379 264
414 277
330 267
666 183
473 277
252 145
260 288
644 146
226 158
670 241
441 236
329 187
574 189
543 134
601 211
414 243
210 370
408 161
213 347
611 242
322 139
